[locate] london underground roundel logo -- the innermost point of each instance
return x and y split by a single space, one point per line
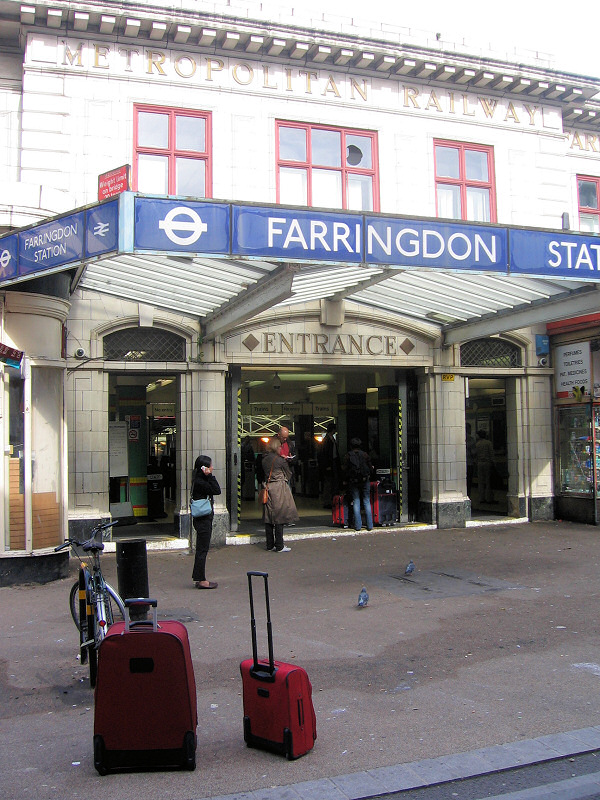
183 225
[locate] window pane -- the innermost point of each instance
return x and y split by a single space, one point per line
590 223
326 148
448 198
153 130
358 151
292 144
191 177
153 174
476 165
588 194
326 188
360 193
292 186
446 162
478 204
190 134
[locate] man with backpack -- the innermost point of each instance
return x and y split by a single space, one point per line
357 471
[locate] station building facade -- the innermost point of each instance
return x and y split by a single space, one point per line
168 355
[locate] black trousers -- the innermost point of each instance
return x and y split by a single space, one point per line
274 535
203 528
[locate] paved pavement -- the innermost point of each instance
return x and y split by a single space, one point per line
487 657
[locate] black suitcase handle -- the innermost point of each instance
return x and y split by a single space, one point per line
261 672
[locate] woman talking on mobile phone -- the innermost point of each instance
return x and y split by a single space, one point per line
204 484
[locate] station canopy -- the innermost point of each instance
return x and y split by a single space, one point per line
226 262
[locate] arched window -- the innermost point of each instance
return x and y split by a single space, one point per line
144 344
490 353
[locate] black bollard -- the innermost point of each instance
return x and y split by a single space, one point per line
132 574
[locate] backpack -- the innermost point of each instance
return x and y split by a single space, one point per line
358 469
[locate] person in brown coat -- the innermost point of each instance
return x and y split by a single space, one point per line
280 509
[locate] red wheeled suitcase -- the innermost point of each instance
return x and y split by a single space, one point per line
278 708
339 511
384 501
145 700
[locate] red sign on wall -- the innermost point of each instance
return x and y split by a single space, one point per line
10 356
114 182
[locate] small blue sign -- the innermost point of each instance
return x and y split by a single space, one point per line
555 255
428 243
102 229
52 244
297 235
8 257
181 225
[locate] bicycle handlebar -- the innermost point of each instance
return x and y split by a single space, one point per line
88 544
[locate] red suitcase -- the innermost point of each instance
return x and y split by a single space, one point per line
145 699
339 511
384 500
278 708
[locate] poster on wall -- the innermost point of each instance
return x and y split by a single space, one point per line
573 371
118 464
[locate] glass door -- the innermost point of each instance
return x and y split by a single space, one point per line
576 470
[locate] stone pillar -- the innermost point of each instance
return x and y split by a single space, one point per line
442 451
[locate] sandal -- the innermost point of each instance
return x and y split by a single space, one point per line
211 585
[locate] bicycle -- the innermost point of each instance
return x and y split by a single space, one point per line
91 598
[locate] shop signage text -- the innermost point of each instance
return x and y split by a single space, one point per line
573 370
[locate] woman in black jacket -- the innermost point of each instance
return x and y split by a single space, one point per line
204 484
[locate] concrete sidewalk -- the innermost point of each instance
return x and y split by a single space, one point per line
494 640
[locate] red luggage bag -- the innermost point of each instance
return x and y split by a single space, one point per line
145 700
339 511
384 500
278 708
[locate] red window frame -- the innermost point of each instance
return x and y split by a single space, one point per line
462 180
171 151
344 170
593 212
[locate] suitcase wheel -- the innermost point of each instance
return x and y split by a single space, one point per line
189 751
247 733
288 744
100 755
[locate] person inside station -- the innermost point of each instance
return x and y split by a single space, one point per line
329 465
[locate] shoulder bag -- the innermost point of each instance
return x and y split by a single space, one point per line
263 494
201 507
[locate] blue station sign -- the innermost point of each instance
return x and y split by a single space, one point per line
138 223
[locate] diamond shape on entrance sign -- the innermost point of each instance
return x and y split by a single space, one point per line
251 342
407 346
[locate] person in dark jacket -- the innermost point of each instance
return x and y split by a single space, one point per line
280 509
204 484
357 471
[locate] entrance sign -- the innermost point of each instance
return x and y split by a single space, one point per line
133 223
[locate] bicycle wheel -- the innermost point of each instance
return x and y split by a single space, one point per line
115 600
74 604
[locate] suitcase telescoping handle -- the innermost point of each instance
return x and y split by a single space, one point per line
261 671
141 601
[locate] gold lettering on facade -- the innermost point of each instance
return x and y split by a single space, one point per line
288 344
390 345
309 76
370 350
511 114
100 55
330 86
362 92
489 106
269 343
356 345
531 112
410 96
433 101
320 342
191 69
451 99
266 76
591 142
466 111
213 65
576 142
128 53
156 58
338 345
243 81
288 77
304 337
74 59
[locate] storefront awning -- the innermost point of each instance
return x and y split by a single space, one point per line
227 262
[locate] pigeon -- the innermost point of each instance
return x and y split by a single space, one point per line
410 568
363 598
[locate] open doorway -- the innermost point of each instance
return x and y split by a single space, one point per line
143 453
487 463
323 409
